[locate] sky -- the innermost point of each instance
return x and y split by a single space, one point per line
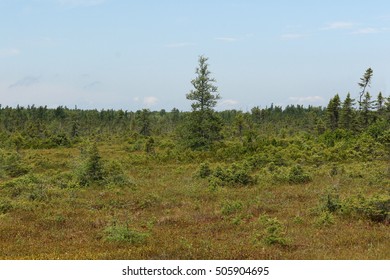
133 54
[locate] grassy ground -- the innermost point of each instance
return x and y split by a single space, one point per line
168 213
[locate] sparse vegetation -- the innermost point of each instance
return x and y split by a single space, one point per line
273 183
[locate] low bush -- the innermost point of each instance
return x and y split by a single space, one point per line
234 175
231 207
122 233
273 232
5 206
292 175
204 170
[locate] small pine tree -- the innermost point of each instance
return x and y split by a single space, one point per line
92 169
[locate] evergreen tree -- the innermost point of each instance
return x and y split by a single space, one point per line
205 93
203 126
333 112
366 108
143 121
380 102
347 113
239 123
365 82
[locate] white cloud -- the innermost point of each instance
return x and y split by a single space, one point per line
9 52
25 82
339 25
292 36
226 39
367 30
136 99
150 100
229 102
179 45
307 99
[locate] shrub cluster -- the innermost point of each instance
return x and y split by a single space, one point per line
231 176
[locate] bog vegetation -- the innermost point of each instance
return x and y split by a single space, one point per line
272 183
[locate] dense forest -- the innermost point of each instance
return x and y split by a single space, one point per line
273 183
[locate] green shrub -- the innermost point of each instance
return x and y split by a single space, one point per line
90 168
114 175
5 206
11 164
231 207
377 208
298 176
122 233
204 170
331 202
325 219
273 232
235 175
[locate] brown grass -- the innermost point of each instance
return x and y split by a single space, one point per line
183 216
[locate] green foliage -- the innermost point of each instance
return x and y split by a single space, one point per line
234 175
331 202
144 122
5 206
59 140
231 207
333 112
150 145
29 187
202 126
200 130
347 115
115 176
325 219
298 176
273 232
204 170
292 175
124 234
11 164
376 208
203 94
365 82
91 167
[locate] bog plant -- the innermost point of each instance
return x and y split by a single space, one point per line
122 233
204 170
234 175
11 164
5 206
273 232
231 207
90 169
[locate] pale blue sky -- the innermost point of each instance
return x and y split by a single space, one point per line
142 54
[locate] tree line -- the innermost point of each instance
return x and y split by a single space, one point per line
200 129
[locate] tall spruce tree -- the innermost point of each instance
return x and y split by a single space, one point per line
205 93
333 112
347 113
365 82
380 102
203 126
366 108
